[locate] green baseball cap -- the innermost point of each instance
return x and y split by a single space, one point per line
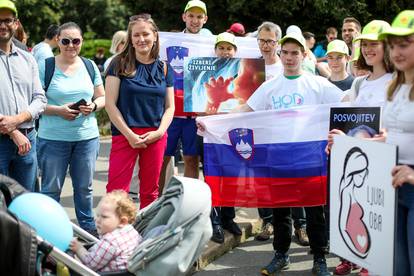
402 25
295 36
337 46
372 30
196 4
226 37
357 53
6 4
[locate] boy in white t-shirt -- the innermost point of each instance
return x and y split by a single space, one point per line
294 88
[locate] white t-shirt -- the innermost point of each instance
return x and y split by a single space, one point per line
372 92
282 93
398 118
273 70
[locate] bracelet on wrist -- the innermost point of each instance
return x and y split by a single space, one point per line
96 106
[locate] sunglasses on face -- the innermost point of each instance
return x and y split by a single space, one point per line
7 21
67 41
144 16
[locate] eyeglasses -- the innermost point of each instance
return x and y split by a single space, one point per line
144 16
67 41
7 21
270 42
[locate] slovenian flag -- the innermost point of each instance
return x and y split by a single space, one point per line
267 158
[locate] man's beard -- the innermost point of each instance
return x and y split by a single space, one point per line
7 38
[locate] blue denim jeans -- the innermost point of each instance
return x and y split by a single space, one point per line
404 255
21 168
54 159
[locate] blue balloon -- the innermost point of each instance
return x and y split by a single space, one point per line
46 216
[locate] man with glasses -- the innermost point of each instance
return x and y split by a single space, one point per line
268 34
22 99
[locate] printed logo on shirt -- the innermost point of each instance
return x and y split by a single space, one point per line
287 100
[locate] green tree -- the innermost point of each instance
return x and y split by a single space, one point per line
310 15
36 16
103 17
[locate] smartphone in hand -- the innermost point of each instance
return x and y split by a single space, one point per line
76 105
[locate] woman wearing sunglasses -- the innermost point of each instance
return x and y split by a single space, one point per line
68 131
140 104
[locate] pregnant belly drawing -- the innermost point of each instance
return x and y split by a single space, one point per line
356 229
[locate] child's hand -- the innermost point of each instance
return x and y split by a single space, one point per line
75 245
381 136
200 127
331 135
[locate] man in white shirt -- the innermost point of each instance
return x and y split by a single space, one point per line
268 35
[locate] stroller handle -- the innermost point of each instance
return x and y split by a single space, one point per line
69 261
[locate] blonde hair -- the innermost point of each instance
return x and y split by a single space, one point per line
395 83
125 61
124 206
399 77
118 38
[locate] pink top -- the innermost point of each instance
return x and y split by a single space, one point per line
112 252
356 229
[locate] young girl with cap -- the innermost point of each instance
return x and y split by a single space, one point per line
398 118
368 90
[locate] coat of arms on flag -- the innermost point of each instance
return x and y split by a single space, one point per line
242 141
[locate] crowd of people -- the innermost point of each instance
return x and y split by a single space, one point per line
370 66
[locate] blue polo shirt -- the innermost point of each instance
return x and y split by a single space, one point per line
141 98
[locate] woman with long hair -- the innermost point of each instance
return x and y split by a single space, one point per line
140 104
398 118
368 90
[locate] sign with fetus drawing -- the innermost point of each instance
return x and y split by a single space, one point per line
362 203
220 84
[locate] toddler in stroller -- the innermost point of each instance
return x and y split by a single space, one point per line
175 229
118 238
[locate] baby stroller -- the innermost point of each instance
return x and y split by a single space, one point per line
175 229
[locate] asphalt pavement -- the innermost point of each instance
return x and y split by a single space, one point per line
241 257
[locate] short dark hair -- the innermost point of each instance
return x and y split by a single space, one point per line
331 30
69 25
308 35
51 31
352 20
